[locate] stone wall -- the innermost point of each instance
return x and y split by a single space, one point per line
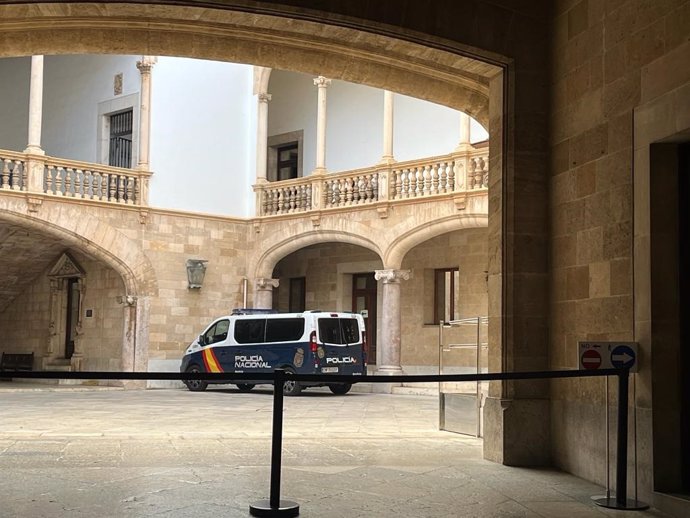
609 58
328 269
25 322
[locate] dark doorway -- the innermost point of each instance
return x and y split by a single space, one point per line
72 315
364 302
669 197
684 302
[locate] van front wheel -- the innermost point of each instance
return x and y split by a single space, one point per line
195 385
340 389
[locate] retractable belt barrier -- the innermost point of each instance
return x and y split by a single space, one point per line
274 506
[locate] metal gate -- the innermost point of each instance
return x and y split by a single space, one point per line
462 349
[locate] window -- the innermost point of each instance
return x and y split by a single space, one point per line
285 156
297 302
446 288
120 149
250 331
339 331
287 161
284 329
217 333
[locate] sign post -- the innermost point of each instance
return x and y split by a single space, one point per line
615 355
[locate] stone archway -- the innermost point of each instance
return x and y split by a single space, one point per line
433 58
102 244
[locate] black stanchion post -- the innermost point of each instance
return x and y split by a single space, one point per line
621 501
274 506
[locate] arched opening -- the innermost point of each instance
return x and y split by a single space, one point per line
63 303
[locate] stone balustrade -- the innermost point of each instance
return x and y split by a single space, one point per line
68 178
436 176
13 171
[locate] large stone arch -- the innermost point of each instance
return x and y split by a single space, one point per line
397 250
101 241
274 252
97 239
445 77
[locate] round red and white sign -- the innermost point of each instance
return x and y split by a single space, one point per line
591 359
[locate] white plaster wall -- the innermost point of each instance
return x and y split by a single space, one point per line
354 127
72 89
201 114
292 108
14 102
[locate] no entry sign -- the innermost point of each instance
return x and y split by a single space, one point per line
607 355
591 359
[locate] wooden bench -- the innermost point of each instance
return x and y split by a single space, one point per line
14 362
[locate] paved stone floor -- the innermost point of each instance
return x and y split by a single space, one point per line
173 453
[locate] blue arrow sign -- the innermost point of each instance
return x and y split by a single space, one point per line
623 356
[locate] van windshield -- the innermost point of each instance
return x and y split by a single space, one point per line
339 330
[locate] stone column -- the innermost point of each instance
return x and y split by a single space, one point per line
35 164
464 128
262 137
322 84
263 292
389 348
145 66
387 127
135 338
35 107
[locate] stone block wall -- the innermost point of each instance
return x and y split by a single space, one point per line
609 61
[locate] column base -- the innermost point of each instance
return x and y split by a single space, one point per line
34 150
517 431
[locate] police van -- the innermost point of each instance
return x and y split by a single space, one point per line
259 341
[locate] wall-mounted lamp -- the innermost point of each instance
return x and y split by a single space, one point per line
196 269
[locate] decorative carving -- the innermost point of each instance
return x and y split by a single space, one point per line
264 98
65 267
263 283
34 203
322 82
391 276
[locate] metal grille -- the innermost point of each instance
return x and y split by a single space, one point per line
120 151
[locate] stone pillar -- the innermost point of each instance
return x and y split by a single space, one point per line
145 66
35 165
464 128
135 338
263 292
387 157
389 347
322 84
35 107
262 137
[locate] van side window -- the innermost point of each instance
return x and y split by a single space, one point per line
250 331
339 330
217 333
284 329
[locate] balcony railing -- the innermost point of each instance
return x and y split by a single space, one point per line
68 178
458 172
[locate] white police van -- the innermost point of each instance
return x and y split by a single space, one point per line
259 341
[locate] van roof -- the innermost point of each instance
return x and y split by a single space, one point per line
257 311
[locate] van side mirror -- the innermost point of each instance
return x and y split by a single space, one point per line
201 340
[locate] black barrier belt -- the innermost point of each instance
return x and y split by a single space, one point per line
278 507
330 378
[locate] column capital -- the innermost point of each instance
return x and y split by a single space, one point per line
391 276
263 283
322 82
145 64
264 98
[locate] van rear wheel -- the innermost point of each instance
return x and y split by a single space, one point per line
340 389
291 387
195 385
245 387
